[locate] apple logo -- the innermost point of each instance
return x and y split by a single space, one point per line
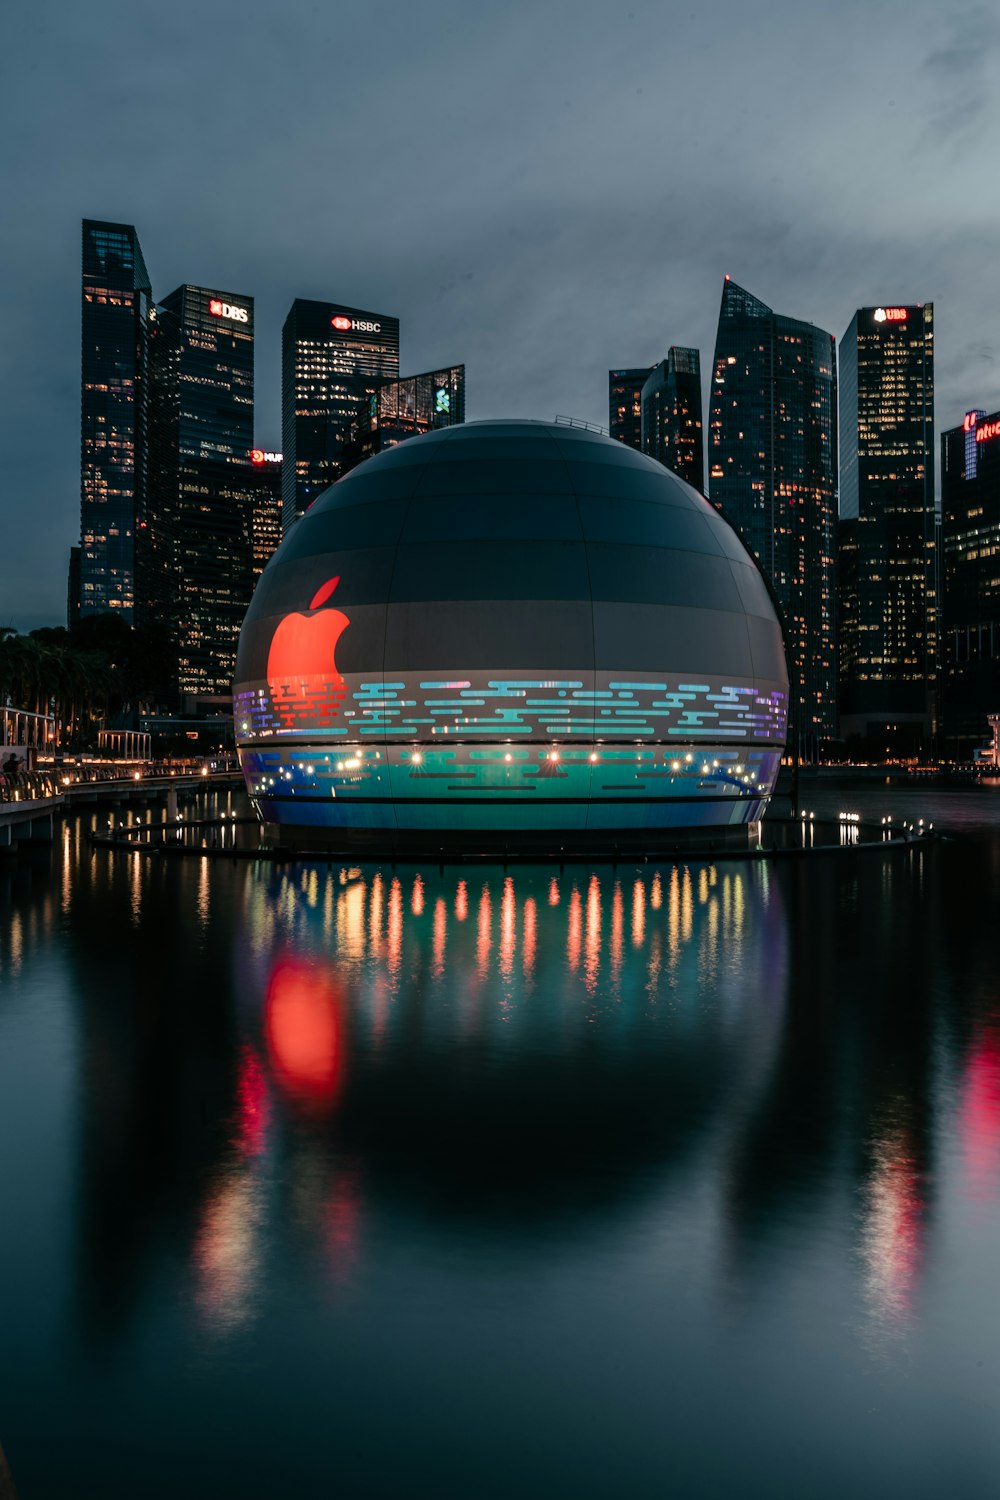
301 661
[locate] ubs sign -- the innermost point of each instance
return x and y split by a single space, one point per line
890 314
228 310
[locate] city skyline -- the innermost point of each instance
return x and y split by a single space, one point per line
539 256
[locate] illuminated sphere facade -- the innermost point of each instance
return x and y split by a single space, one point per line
510 637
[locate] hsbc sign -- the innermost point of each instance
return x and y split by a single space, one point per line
354 325
229 311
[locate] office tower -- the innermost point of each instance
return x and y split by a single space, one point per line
405 408
970 516
671 415
265 514
888 616
333 358
73 587
625 404
113 413
772 472
195 550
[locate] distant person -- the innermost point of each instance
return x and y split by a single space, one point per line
11 765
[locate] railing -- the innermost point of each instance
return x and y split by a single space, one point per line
579 422
53 781
28 786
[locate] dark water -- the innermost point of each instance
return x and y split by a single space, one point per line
676 1180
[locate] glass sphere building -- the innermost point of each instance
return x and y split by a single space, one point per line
510 637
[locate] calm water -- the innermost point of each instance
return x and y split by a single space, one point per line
659 1180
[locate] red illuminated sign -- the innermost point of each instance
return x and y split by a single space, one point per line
261 456
987 430
229 310
970 421
890 314
359 325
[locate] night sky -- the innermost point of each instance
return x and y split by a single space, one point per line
541 190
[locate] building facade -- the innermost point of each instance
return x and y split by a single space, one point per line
333 360
625 404
970 524
671 424
265 516
195 549
405 408
772 449
510 636
889 584
113 414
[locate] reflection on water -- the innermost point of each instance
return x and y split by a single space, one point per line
676 1115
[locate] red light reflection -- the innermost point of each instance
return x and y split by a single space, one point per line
483 939
304 1032
981 1117
508 914
530 936
251 1104
574 929
440 933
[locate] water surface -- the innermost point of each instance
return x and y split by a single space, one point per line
675 1179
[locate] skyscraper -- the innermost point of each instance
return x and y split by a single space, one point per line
265 517
115 304
332 359
889 607
405 408
195 548
671 415
625 404
772 472
970 515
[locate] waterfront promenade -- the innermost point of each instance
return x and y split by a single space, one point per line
30 800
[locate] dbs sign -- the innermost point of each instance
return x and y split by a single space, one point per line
228 310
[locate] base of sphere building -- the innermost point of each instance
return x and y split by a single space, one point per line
531 845
521 802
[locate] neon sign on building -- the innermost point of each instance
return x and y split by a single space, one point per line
228 310
890 314
260 456
987 430
356 325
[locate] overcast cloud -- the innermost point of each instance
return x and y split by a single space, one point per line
539 188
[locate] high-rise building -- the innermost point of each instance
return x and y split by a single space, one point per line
333 358
671 415
195 548
265 515
405 408
166 478
113 414
773 473
970 516
889 603
625 404
73 587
